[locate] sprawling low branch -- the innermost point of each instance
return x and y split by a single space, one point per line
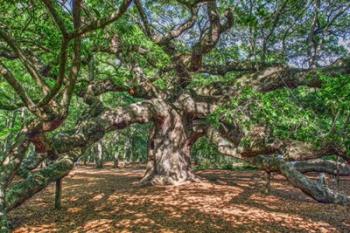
70 146
315 189
93 129
321 165
273 78
13 159
37 181
292 170
236 66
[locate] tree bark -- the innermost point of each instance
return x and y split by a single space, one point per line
169 152
337 179
21 191
128 150
85 160
317 190
116 160
58 193
292 170
4 227
99 156
268 183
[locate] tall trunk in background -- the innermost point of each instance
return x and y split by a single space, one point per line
268 183
116 152
58 193
116 159
99 155
10 124
4 228
128 150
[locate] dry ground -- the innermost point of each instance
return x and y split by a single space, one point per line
106 201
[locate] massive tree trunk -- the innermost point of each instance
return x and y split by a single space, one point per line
169 151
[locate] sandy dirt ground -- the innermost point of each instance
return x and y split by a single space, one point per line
107 200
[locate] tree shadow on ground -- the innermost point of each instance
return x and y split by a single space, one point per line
106 201
284 199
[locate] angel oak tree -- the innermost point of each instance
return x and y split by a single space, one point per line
68 58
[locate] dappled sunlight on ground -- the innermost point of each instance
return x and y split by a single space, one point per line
108 201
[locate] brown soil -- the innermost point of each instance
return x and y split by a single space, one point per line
107 201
